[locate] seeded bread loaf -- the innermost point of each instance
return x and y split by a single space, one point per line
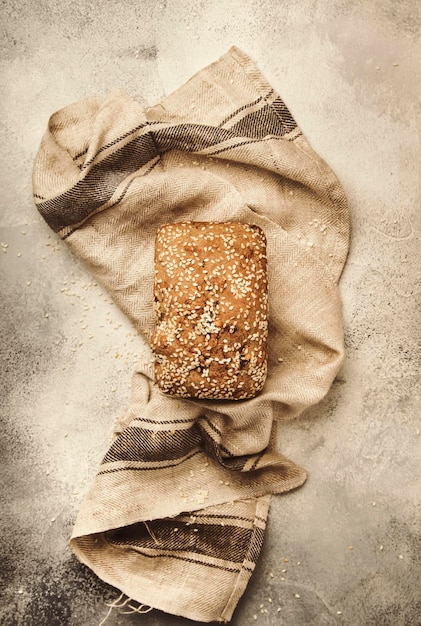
210 309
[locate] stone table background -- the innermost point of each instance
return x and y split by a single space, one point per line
349 542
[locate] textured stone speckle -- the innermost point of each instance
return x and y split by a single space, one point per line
350 73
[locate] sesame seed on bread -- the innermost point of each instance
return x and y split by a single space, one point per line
211 310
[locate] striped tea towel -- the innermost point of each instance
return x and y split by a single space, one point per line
176 514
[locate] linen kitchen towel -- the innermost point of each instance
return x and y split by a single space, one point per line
176 514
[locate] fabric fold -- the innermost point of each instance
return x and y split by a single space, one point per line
176 514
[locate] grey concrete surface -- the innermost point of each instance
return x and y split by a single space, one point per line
344 549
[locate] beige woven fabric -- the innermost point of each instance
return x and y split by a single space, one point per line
175 517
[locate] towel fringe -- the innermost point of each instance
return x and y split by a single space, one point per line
119 604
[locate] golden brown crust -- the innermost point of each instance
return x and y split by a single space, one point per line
210 309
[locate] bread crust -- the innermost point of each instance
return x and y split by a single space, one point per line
211 310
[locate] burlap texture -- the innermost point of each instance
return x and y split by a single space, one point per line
175 517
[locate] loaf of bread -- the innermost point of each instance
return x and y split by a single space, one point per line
211 310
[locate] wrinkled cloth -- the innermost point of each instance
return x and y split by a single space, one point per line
175 517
